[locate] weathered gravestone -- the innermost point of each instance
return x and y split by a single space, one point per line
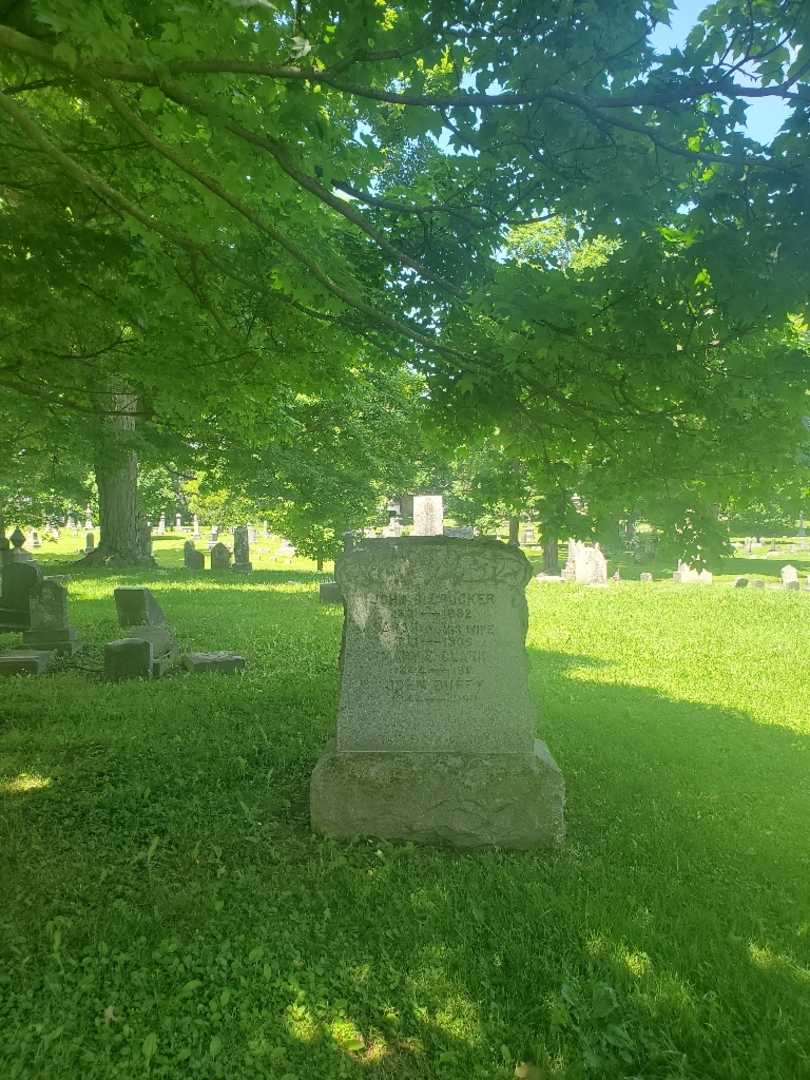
20 581
241 550
435 732
220 557
195 532
790 577
161 529
460 532
49 628
740 583
687 575
149 649
192 559
178 522
89 542
428 515
329 593
646 577
758 583
35 540
590 566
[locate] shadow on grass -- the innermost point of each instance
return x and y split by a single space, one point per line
668 924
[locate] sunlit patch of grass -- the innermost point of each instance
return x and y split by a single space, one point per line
24 782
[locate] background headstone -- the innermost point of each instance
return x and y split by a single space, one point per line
590 565
220 557
161 529
89 542
435 732
790 577
241 550
428 515
195 527
48 624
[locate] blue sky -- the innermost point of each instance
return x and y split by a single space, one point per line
765 116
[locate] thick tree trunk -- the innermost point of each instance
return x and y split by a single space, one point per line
551 545
320 565
123 539
514 530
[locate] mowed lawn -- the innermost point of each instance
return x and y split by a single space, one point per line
165 911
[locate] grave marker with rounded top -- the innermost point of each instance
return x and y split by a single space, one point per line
436 728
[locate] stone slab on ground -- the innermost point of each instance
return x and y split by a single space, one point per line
25 662
462 800
222 662
329 593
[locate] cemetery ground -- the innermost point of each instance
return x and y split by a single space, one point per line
166 912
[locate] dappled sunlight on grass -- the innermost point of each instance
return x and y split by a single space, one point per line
172 851
23 783
766 959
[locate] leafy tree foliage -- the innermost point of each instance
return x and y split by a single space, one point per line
213 205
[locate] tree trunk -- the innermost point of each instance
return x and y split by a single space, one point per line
123 538
514 530
551 560
320 565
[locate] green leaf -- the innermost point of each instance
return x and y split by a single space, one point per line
149 1046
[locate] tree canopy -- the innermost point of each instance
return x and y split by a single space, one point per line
568 234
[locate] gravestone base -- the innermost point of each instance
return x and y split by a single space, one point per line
452 799
62 642
24 662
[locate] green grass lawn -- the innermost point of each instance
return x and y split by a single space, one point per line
165 911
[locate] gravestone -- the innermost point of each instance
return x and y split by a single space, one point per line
435 731
21 579
749 545
251 534
241 550
460 532
89 542
88 518
178 522
286 549
71 524
758 583
138 607
149 649
17 552
49 628
529 536
35 540
740 583
790 577
646 577
161 529
213 537
428 515
220 557
686 575
192 559
329 593
128 658
195 531
393 529
265 530
590 565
